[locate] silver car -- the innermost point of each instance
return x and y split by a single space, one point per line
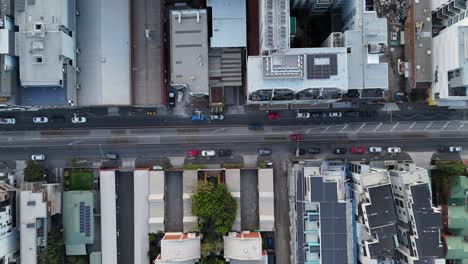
394 150
40 119
208 153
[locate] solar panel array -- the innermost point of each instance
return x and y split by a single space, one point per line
321 71
85 219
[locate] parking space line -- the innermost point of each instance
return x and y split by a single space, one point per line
379 125
461 126
398 123
428 126
344 127
412 125
361 127
326 129
446 124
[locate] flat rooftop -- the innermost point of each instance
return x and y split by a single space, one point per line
189 49
228 20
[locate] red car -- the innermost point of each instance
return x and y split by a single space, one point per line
296 137
358 150
192 153
273 115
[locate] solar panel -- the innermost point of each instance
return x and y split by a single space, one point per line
318 70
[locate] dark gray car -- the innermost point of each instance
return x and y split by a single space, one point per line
264 152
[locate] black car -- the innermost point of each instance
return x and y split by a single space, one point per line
340 151
300 152
171 98
314 150
224 152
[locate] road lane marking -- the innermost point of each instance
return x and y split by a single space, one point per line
446 124
397 124
378 126
412 125
428 126
326 129
461 126
344 127
361 127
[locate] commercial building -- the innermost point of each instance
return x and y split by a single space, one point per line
8 61
38 202
46 50
179 248
375 213
189 50
228 23
9 235
450 58
273 25
78 221
321 218
418 49
244 247
419 223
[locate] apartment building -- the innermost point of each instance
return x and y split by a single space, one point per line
8 60
244 247
179 248
9 235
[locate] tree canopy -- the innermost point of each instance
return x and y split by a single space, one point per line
445 173
33 172
55 249
215 207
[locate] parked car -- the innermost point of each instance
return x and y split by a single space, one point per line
314 150
40 119
300 152
455 149
264 152
273 115
192 153
78 119
224 152
394 150
375 149
7 120
316 114
171 98
340 151
335 114
217 116
358 150
270 245
254 126
296 137
38 157
208 153
303 115
112 156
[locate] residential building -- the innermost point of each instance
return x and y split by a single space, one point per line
273 25
322 228
418 41
266 196
450 59
419 223
375 213
8 61
46 50
233 185
228 20
179 248
316 7
189 50
9 235
38 202
190 179
108 198
78 221
456 222
244 247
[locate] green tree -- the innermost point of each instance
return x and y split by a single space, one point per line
76 260
33 172
211 260
55 250
445 173
154 247
215 207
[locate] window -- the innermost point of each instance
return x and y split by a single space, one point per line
37 26
38 59
348 50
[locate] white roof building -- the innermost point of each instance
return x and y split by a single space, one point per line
229 23
244 247
233 185
108 216
179 248
189 50
273 25
9 235
190 178
266 196
38 201
156 201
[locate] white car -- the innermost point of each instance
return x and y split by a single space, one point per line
455 149
217 117
40 119
303 115
394 150
208 153
375 149
38 157
78 119
7 121
334 114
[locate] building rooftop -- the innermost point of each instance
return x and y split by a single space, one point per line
243 246
266 208
108 216
156 200
179 247
274 25
78 221
228 20
189 49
